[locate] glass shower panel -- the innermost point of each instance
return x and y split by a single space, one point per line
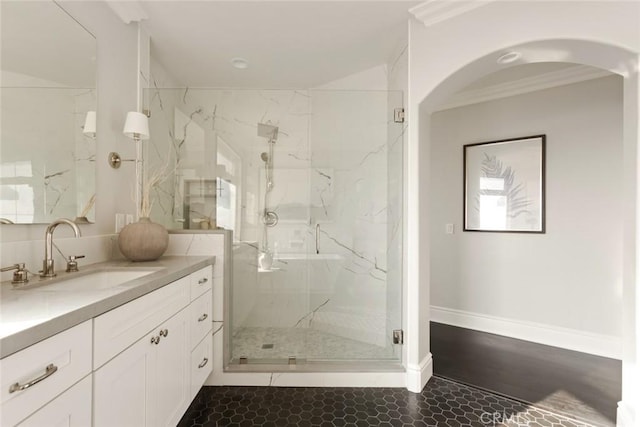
353 297
310 183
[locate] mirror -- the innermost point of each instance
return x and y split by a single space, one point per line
47 162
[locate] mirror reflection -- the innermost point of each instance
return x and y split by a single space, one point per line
47 106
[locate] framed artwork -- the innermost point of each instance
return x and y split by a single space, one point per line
504 185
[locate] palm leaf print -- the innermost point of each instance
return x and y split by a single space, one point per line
517 203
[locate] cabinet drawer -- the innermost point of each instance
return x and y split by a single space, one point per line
72 408
201 364
121 327
201 281
200 320
69 353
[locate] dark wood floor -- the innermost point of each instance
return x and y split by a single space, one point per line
577 384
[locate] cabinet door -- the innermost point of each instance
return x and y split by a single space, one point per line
121 387
71 409
59 361
172 370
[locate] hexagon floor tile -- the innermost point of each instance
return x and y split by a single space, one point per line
442 403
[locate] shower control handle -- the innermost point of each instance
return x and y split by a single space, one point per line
317 238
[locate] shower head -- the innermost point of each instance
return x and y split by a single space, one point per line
264 157
268 131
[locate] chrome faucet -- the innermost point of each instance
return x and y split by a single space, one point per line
47 264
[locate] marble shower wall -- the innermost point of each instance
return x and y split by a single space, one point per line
331 168
48 165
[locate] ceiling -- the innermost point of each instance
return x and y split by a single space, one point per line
41 41
288 44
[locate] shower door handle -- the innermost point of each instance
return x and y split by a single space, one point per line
317 238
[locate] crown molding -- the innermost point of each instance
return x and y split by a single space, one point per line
574 74
128 11
433 11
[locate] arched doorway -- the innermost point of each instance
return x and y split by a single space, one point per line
535 316
453 73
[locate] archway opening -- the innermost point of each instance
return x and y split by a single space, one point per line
514 299
604 57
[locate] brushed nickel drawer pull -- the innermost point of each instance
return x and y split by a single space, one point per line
203 317
203 280
164 333
204 362
49 370
155 340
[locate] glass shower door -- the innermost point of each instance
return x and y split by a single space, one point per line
355 179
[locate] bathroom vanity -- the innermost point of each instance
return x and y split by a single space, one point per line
133 354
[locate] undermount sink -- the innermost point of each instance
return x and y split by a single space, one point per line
97 280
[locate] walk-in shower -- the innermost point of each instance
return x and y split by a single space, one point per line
314 182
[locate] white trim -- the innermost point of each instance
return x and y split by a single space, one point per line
624 416
565 76
433 11
419 375
310 379
571 339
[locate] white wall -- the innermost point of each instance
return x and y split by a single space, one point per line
571 276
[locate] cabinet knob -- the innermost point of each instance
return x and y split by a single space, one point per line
204 362
155 340
203 280
164 333
203 317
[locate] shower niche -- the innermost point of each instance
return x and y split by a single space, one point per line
199 200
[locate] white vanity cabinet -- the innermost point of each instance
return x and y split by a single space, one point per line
72 408
201 325
149 382
139 364
43 374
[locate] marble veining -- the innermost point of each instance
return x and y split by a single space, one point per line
337 164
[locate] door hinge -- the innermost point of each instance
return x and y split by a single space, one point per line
398 115
398 336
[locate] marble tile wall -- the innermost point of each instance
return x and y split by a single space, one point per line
45 157
331 168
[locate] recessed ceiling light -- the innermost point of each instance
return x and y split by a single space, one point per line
240 63
509 57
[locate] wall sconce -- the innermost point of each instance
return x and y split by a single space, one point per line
136 127
89 128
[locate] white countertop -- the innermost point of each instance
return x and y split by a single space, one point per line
31 314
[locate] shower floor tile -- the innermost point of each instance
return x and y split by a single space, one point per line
441 403
302 343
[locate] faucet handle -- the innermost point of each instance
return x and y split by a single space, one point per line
20 276
72 264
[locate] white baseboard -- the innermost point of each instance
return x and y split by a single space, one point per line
418 375
571 339
310 379
624 416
